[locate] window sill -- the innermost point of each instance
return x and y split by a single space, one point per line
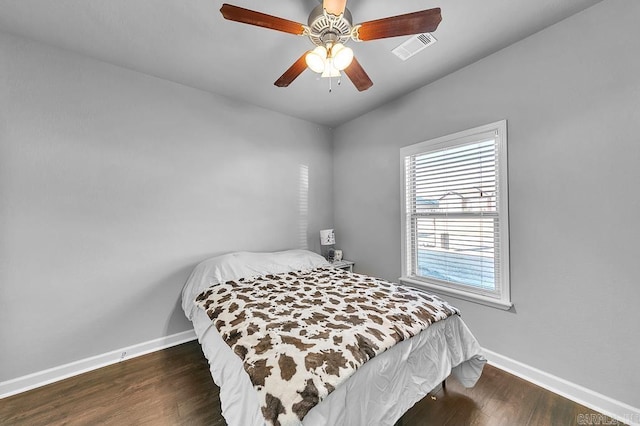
476 298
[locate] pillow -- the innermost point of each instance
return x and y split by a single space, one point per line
243 264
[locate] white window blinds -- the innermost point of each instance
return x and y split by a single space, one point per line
454 212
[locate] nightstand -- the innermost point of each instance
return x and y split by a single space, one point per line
347 265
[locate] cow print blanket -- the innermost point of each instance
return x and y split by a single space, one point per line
301 334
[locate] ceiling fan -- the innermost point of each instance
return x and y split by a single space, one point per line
329 28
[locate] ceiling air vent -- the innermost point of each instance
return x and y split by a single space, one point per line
414 45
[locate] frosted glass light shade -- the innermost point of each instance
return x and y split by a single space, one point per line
316 58
335 7
330 70
342 56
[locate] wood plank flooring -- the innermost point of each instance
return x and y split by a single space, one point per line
174 387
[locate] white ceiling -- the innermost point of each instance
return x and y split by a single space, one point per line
188 41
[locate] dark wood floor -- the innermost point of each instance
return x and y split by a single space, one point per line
174 387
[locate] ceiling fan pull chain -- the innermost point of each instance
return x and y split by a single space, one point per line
331 80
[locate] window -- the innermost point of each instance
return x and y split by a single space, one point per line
455 215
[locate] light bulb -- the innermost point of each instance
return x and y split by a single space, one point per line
316 59
341 56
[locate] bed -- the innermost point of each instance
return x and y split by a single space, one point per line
369 386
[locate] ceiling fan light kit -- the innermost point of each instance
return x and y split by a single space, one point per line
330 60
329 28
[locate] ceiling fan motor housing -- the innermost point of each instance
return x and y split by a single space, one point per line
328 28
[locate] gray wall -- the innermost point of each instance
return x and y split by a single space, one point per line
113 184
571 95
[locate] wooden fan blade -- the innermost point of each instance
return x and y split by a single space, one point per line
425 21
251 17
335 7
358 76
293 72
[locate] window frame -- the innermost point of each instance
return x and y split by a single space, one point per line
502 297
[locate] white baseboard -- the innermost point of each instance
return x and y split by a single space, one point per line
594 400
41 378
